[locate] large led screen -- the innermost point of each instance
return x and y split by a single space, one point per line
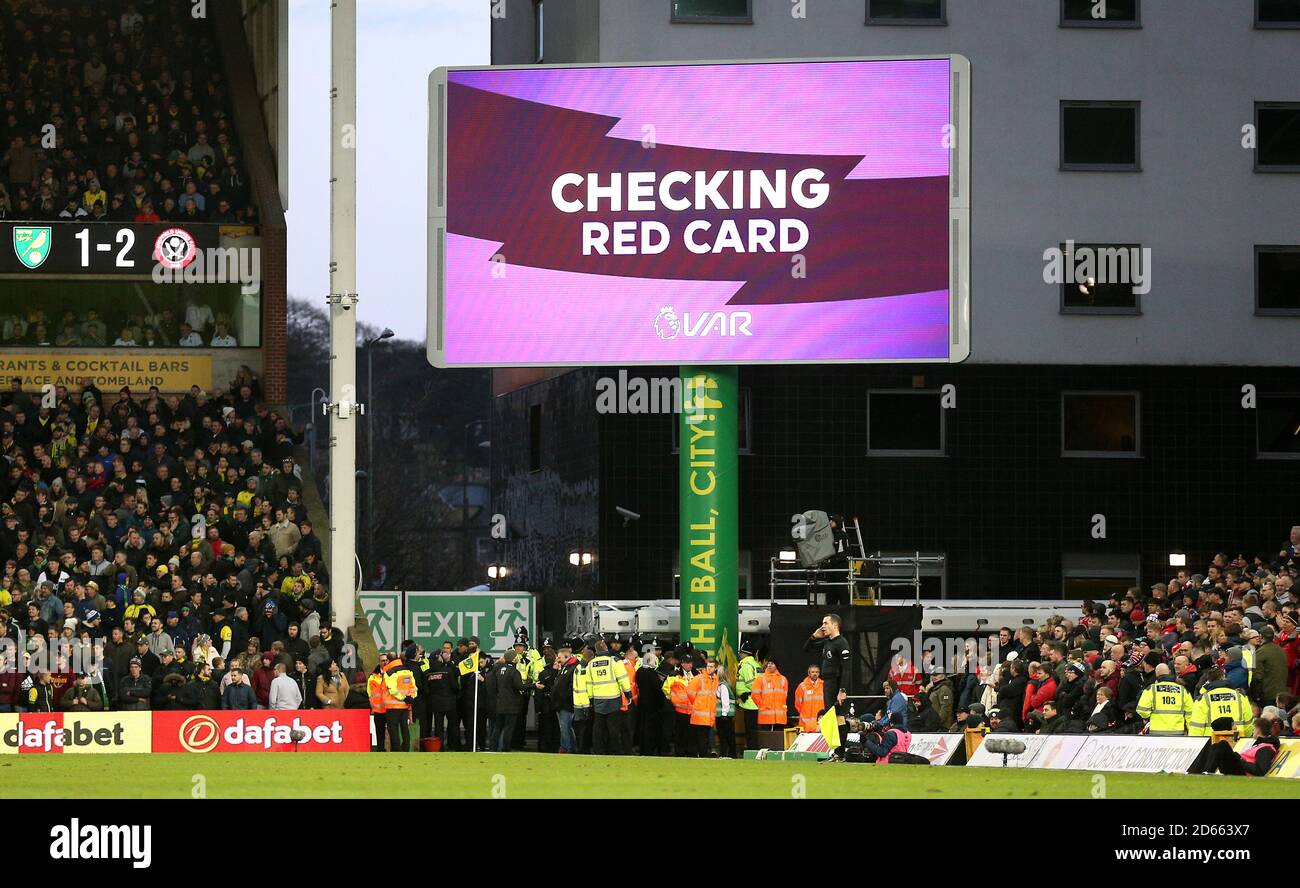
705 213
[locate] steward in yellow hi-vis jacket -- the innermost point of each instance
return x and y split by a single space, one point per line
1166 705
1219 700
610 690
400 691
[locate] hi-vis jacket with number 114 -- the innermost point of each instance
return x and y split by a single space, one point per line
1218 700
1168 707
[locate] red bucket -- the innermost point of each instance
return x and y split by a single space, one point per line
431 744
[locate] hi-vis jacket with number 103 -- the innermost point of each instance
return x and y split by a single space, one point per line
607 680
399 685
702 693
1167 706
1220 701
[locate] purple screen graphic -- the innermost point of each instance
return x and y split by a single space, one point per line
698 213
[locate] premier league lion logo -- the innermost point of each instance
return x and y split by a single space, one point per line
666 323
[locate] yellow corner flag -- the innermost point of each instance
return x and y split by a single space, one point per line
829 725
469 664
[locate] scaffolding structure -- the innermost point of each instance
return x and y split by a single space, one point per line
865 576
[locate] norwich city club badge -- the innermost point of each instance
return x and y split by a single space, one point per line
32 244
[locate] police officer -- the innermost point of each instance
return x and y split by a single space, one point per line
1220 700
582 697
1166 705
746 672
609 690
529 663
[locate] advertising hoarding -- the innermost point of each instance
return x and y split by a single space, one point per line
1138 754
74 732
719 213
173 371
262 730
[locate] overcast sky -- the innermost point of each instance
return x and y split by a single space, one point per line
398 43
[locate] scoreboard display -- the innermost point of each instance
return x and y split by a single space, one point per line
78 247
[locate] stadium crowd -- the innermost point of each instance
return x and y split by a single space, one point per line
157 554
1227 639
116 112
139 111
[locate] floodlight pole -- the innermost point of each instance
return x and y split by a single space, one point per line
343 407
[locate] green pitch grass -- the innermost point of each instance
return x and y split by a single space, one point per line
531 775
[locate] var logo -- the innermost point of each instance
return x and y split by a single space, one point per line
703 323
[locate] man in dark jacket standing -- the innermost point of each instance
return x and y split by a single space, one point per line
135 689
561 694
441 689
650 703
507 687
1270 668
548 725
1134 682
239 693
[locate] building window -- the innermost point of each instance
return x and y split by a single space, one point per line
1277 129
539 31
1101 14
1277 427
1102 279
1100 424
907 12
724 12
535 438
1277 280
1097 576
744 425
905 423
1277 13
1100 136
